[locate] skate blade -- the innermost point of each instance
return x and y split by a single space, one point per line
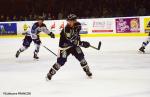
47 79
141 52
36 59
90 77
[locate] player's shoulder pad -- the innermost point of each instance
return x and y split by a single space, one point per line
67 27
77 24
43 25
35 25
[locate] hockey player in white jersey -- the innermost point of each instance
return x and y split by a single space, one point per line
33 35
144 44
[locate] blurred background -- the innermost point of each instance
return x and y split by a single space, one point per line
21 10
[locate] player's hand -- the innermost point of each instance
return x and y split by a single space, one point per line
52 35
85 44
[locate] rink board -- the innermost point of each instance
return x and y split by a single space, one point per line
86 35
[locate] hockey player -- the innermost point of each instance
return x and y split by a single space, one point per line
33 35
144 44
70 43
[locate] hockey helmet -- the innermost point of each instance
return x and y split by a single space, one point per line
71 17
40 18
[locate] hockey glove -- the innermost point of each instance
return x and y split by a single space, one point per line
52 35
85 44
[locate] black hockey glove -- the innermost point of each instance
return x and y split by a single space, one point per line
84 44
52 35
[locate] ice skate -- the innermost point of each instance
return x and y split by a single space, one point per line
89 74
35 56
18 53
48 77
142 49
87 71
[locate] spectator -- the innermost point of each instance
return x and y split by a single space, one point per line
57 9
2 18
49 16
8 18
14 18
141 11
60 15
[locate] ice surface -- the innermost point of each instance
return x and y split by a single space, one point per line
118 69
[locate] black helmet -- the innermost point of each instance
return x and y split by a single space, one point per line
40 18
71 17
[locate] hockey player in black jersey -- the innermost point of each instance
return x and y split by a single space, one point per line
144 44
70 43
33 35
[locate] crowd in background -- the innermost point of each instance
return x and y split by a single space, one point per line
21 10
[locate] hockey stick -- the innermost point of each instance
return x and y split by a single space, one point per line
97 48
49 50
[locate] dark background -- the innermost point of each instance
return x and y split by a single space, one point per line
14 10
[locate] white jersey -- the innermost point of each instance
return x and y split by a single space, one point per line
36 29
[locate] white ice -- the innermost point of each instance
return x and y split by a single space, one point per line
119 70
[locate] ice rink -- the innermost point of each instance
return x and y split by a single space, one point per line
118 70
